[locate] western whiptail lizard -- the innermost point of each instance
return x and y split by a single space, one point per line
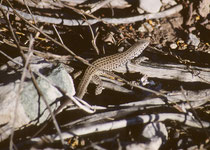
109 63
106 64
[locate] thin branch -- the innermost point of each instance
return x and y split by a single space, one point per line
13 34
46 55
11 59
50 38
56 31
93 41
79 22
25 61
25 2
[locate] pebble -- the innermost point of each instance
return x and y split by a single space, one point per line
150 6
173 46
146 27
193 40
142 29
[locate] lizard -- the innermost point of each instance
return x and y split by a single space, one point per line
103 66
109 63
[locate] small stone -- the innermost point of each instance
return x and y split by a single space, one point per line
146 27
193 40
191 29
150 6
142 29
173 46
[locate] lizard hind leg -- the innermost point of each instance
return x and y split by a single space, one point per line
99 84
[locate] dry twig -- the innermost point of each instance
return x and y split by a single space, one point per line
78 22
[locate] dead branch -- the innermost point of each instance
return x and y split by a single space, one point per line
177 72
79 22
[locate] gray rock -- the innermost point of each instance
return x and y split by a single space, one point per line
30 98
193 40
150 6
31 107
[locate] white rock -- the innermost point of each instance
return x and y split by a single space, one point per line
151 6
173 46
